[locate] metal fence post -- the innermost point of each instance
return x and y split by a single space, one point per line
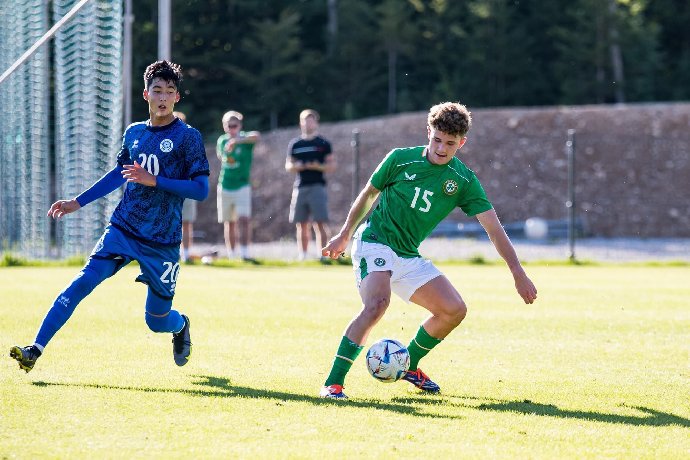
570 203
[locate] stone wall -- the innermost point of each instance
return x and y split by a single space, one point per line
632 167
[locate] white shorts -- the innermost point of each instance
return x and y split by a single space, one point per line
407 274
234 203
189 210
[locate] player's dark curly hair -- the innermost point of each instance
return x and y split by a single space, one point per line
451 118
164 70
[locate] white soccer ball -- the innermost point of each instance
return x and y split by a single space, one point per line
388 360
536 228
207 260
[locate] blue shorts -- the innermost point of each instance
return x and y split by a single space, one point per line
159 264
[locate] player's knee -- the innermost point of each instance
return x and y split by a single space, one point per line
81 286
376 308
157 323
87 279
457 312
454 312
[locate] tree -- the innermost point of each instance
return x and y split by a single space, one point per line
353 77
396 34
360 58
277 63
670 19
597 44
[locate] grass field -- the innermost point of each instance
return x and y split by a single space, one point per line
598 367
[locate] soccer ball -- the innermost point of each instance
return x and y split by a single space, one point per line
388 360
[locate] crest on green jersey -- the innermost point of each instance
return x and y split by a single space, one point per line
380 262
450 187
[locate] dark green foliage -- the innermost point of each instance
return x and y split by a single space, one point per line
271 58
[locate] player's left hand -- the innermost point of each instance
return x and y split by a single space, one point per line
135 173
526 288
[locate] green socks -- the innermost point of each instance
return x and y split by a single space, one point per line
348 351
346 355
420 346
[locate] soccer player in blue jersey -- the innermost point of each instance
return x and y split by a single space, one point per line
162 162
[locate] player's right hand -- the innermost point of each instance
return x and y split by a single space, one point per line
62 207
336 246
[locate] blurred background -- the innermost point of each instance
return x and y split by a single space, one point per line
361 58
612 73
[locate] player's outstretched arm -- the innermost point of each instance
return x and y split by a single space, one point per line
106 184
524 286
362 205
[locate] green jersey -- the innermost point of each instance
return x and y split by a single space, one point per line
415 196
235 164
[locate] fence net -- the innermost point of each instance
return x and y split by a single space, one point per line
24 103
63 112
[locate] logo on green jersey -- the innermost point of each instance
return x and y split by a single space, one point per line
450 187
379 262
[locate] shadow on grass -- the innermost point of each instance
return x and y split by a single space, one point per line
651 418
221 387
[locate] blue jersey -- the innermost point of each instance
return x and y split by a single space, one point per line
175 151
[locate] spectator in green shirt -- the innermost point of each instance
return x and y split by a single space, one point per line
235 149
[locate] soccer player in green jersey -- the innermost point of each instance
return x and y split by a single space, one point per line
418 187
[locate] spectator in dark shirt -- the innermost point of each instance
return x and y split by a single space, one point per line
310 156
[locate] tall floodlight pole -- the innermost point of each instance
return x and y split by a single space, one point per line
127 62
164 29
570 203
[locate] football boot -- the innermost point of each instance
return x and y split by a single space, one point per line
182 344
421 381
25 356
333 392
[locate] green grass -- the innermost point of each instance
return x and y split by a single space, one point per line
598 367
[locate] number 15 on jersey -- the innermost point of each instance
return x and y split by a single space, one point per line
425 198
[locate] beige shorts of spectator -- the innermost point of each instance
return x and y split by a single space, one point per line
407 274
189 210
233 204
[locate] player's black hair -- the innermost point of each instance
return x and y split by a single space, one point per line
164 70
451 118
